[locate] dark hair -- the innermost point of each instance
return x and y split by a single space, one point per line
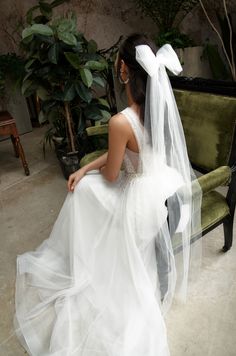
137 75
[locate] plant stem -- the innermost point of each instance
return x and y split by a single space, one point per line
230 40
220 38
69 125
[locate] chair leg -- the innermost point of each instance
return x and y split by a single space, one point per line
13 140
228 233
22 155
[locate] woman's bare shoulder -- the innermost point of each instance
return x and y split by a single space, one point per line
119 121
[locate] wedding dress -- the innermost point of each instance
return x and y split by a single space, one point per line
92 288
102 282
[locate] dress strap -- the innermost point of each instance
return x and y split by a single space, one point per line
135 123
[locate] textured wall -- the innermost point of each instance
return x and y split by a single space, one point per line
103 20
106 20
196 24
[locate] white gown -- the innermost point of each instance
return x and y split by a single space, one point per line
92 288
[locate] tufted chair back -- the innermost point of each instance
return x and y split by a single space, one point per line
209 123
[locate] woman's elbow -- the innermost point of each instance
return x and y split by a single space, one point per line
111 177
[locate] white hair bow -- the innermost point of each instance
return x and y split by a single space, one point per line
165 56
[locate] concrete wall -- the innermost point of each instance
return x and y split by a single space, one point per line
103 20
196 25
106 20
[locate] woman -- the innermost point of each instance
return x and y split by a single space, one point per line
100 284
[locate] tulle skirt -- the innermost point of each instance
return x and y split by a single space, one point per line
92 288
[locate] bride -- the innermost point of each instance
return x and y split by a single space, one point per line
101 283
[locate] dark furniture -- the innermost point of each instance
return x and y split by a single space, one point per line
8 128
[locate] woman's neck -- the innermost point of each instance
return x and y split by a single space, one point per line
131 102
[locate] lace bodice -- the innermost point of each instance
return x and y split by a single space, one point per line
131 159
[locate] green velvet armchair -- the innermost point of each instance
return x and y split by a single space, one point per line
209 123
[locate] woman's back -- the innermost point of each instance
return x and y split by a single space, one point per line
134 146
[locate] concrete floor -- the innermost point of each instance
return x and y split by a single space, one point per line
205 326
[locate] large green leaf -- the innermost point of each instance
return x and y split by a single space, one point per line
27 40
86 76
42 93
95 65
37 29
92 112
73 59
53 53
69 92
99 81
84 93
67 25
67 38
104 102
28 88
105 115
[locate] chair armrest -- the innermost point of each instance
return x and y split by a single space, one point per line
98 137
219 177
89 157
208 182
97 130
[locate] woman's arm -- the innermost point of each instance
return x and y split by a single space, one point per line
78 175
109 163
96 164
119 133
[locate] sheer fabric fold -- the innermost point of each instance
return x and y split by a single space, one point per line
164 146
91 288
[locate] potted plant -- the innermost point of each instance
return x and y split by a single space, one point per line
168 15
64 69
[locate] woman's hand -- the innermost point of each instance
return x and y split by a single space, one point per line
102 169
74 179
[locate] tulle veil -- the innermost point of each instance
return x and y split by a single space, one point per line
164 145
